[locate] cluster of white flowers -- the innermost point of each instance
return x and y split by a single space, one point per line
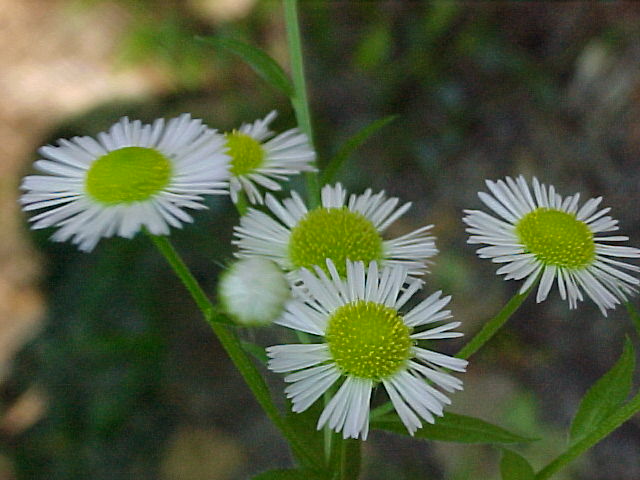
330 271
143 176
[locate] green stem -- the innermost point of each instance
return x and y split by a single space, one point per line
482 337
492 326
350 459
233 347
633 315
327 433
183 272
606 427
242 205
299 100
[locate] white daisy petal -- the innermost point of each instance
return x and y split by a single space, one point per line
309 385
284 358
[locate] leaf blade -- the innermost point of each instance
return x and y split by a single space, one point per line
453 428
515 467
330 171
265 66
605 396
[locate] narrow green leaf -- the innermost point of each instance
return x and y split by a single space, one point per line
256 351
452 428
288 474
634 315
514 467
605 396
261 62
331 170
606 426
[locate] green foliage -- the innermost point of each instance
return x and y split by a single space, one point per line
514 467
101 361
330 171
265 66
605 396
166 41
304 425
634 315
286 474
374 47
256 351
453 428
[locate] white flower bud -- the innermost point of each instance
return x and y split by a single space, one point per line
253 291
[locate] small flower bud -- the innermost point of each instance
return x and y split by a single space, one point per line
253 291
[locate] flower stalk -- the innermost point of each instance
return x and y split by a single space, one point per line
299 99
233 347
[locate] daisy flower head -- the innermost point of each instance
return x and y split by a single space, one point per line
543 235
134 176
366 341
260 159
339 229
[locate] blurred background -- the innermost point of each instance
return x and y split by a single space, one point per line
107 370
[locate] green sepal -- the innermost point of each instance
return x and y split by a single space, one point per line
265 66
515 467
330 171
605 396
452 428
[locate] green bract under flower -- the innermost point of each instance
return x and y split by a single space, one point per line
556 238
127 175
246 153
335 233
368 340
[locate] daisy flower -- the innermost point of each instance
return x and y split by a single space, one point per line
338 229
135 176
549 237
255 160
366 341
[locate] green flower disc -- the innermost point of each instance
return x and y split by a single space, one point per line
368 340
246 153
335 233
557 238
127 175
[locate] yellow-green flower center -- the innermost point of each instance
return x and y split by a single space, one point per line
368 340
556 238
127 175
246 153
335 233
